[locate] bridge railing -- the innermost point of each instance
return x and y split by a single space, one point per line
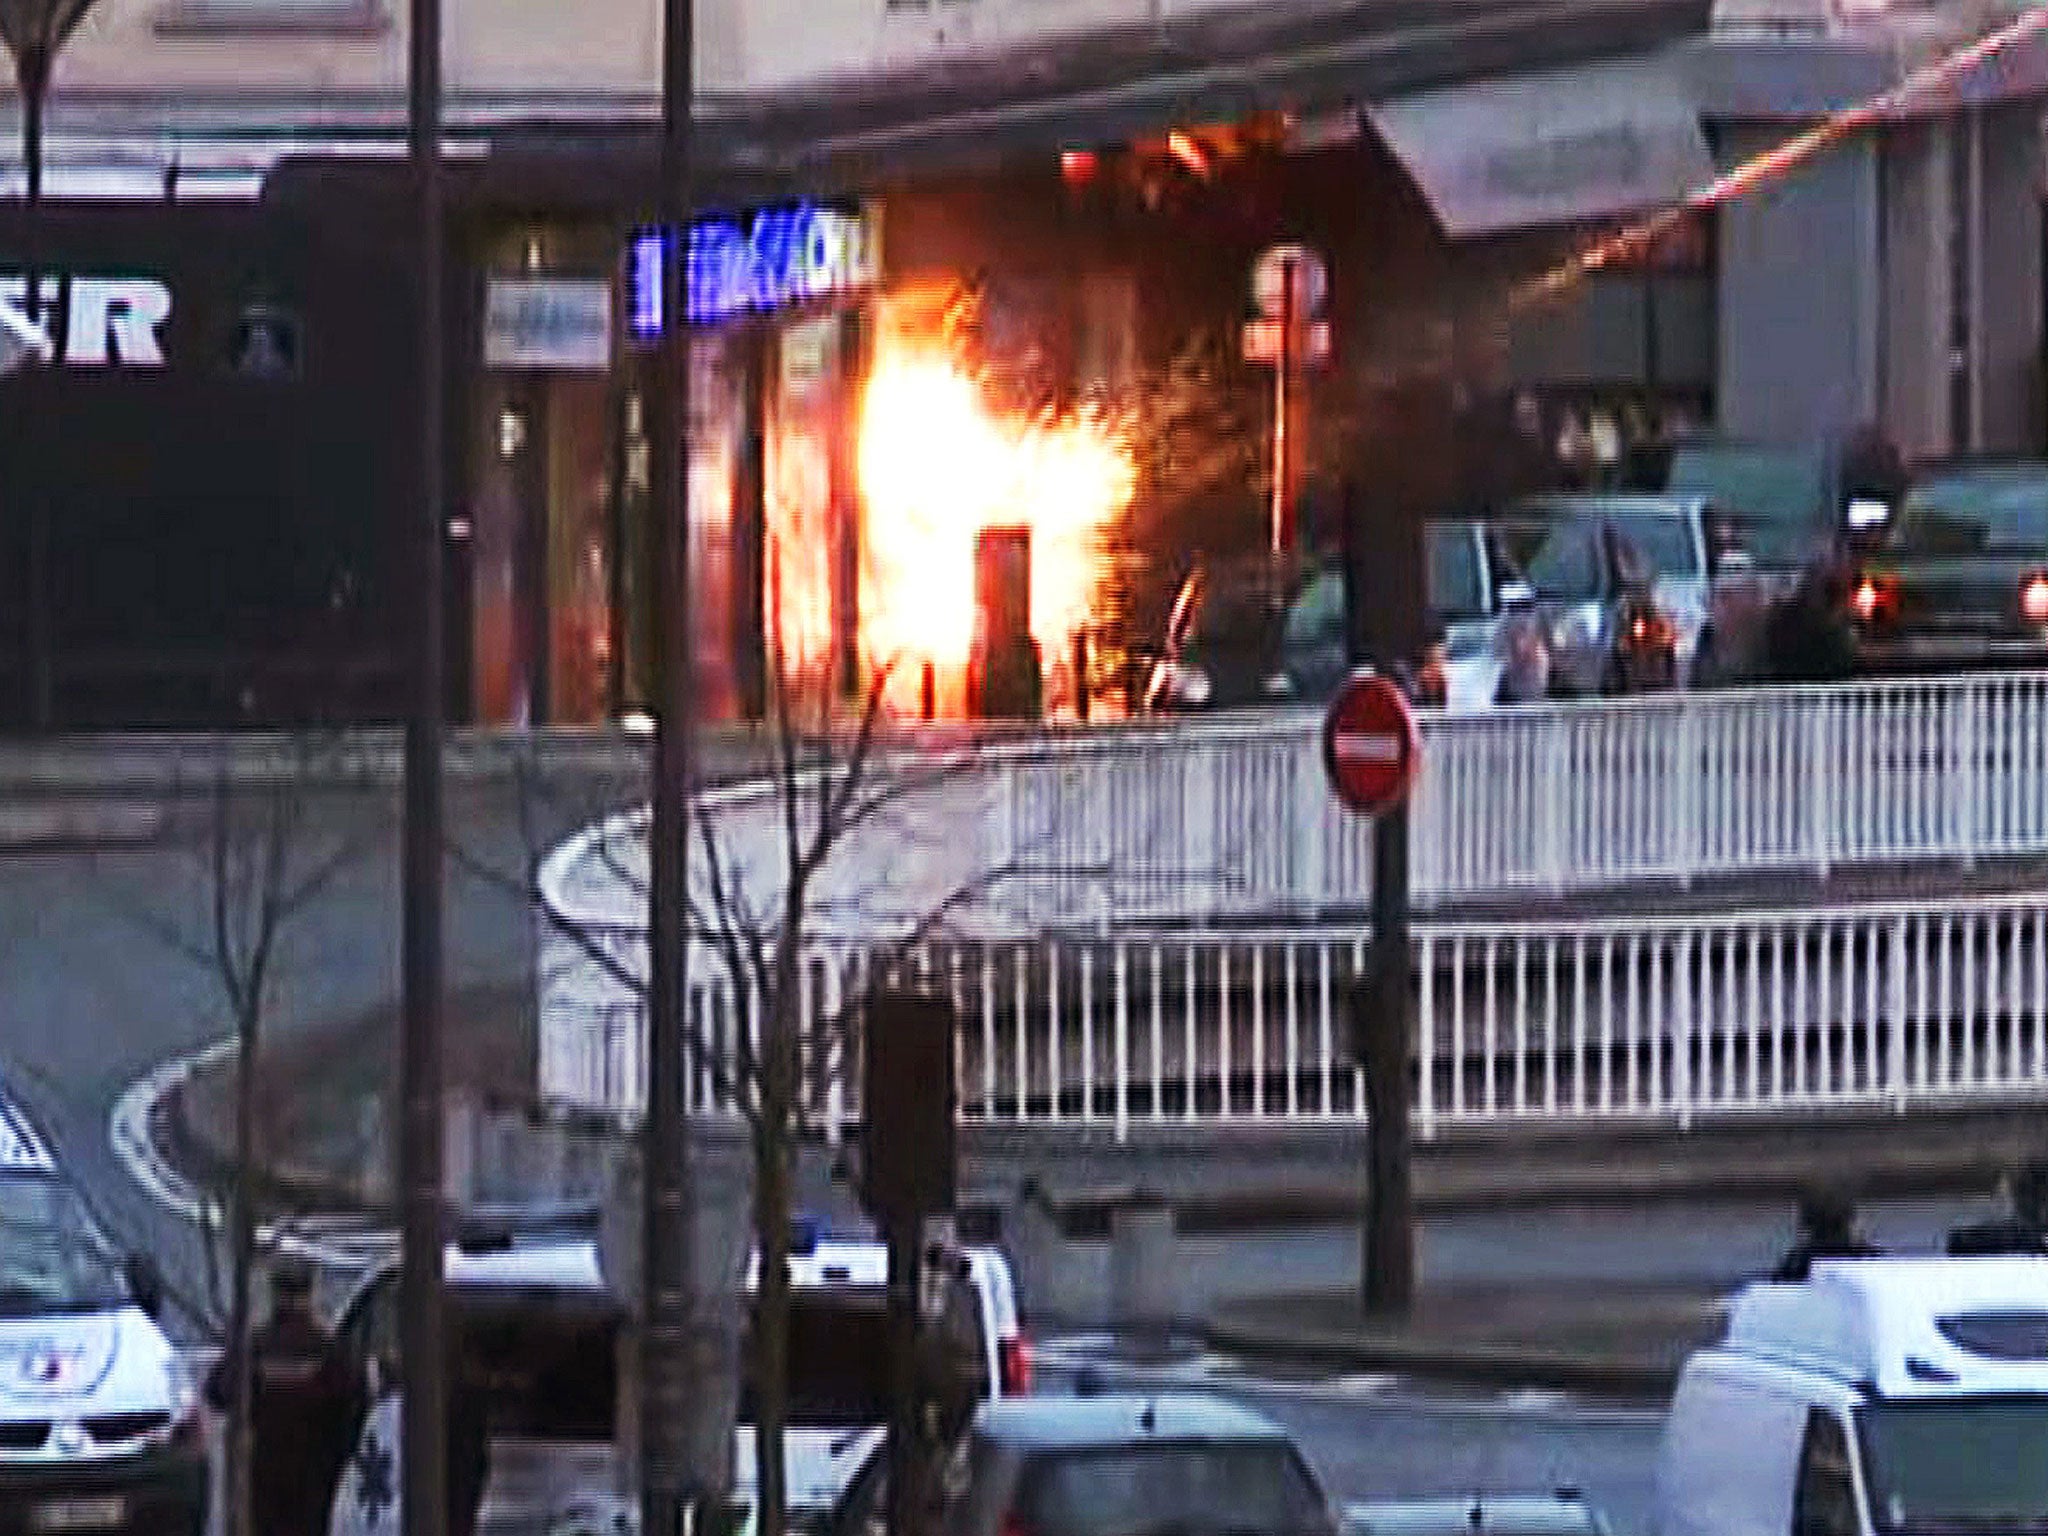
1671 1019
1233 815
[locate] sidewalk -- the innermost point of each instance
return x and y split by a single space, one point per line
1619 1341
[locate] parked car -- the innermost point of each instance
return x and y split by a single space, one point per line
1114 1465
1564 1513
1961 579
1225 648
1790 502
100 1424
839 1380
535 1321
1877 1396
1619 585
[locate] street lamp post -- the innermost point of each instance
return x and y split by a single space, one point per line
35 32
424 1448
669 1381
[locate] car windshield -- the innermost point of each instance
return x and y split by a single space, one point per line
1561 560
1663 541
52 1258
1973 1464
1456 576
1191 1488
1777 496
1987 514
838 1359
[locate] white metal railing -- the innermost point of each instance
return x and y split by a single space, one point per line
1231 815
1644 1018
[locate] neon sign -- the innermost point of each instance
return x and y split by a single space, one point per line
751 264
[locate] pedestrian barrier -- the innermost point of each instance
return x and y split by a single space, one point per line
1670 1019
1175 927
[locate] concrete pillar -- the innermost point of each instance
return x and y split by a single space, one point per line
2007 308
1800 295
1142 1288
1962 289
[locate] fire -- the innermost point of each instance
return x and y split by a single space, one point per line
938 463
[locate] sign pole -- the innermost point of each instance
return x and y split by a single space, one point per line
1386 1034
1283 445
1372 751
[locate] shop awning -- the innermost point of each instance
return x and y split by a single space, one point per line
1216 64
1557 147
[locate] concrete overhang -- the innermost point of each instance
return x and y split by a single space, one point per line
971 115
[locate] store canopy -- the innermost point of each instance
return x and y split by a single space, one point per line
1216 64
1556 147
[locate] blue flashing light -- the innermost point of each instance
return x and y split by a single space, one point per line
804 1232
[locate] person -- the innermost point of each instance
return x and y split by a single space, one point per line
469 1437
1808 637
1828 1229
2022 1228
305 1400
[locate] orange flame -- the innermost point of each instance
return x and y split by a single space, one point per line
938 463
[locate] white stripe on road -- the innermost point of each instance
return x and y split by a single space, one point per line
332 1241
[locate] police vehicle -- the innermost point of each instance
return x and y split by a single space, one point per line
535 1328
839 1388
100 1424
1877 1396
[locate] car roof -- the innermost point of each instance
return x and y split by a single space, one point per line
1080 1423
21 1149
1515 1515
1592 505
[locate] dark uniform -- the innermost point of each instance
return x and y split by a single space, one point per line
1827 1230
306 1404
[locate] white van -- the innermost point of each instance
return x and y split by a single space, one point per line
839 1382
1880 1397
539 1326
100 1427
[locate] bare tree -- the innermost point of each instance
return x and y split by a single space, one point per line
263 859
760 912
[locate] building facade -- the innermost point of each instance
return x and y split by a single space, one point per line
1098 209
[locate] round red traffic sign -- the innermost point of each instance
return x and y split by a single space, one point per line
1370 744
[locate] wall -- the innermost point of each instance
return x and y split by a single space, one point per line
1799 300
605 47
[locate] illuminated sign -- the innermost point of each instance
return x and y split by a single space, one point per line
752 264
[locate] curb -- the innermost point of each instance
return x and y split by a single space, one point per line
58 824
1485 1365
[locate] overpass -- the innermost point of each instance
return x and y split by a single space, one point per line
1656 910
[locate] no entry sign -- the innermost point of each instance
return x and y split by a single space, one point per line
1370 745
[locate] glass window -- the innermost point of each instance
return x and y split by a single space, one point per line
52 1257
1825 1502
1777 497
1978 514
1663 541
1457 579
1317 617
1133 1490
2010 1335
1566 566
547 1360
1957 1464
838 1359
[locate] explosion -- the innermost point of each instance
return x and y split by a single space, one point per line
938 463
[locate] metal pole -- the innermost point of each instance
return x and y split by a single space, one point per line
669 1378
1387 1028
424 1451
905 1504
1283 439
32 74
